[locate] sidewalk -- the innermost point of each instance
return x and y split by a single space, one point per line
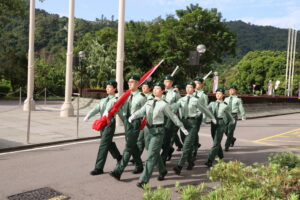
47 127
46 124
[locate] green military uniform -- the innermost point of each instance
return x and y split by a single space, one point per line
106 143
171 97
221 111
189 107
143 136
235 106
176 138
134 102
200 94
155 110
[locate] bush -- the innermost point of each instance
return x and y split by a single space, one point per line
159 193
279 180
285 159
4 90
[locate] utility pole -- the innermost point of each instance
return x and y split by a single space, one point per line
120 51
67 109
30 78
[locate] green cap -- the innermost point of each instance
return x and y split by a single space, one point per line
199 79
192 83
220 90
112 83
147 83
160 84
169 77
134 77
233 87
177 86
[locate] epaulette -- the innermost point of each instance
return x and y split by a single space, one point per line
225 103
175 91
165 100
196 97
142 94
116 97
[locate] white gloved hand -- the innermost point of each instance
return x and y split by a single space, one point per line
185 132
105 113
243 118
86 119
199 113
214 121
130 118
233 122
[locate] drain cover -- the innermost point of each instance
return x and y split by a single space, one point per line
45 193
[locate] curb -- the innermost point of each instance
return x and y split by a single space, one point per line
33 146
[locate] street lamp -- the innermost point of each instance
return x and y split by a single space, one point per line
201 48
81 55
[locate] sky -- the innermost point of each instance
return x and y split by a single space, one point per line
278 13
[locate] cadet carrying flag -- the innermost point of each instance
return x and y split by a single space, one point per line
100 123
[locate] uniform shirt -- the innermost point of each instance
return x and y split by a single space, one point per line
157 115
235 104
220 109
202 97
104 105
137 100
171 96
149 96
189 106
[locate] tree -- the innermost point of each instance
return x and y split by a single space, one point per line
192 26
258 67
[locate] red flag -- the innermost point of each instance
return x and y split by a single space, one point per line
143 123
100 123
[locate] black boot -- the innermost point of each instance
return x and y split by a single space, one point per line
190 166
116 175
208 163
170 154
233 141
119 158
177 170
138 170
141 184
96 172
161 177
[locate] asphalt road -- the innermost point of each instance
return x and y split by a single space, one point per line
66 167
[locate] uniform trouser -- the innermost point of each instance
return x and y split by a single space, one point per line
166 147
107 145
143 140
189 141
156 136
131 135
217 131
175 139
199 121
230 131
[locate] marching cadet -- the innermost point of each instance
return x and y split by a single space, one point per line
189 107
221 111
106 143
143 136
176 138
156 110
171 96
204 101
134 102
236 106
